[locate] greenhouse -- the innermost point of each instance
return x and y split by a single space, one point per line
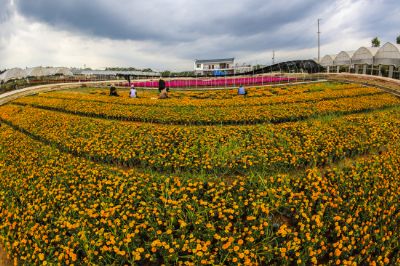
381 61
18 73
388 60
388 54
343 60
363 58
328 61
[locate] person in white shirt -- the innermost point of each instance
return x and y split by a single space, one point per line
132 92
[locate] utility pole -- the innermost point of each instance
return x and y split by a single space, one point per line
319 33
273 57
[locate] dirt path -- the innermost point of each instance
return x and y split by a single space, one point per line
389 85
12 95
4 261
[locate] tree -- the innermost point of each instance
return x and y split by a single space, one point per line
398 39
166 73
375 42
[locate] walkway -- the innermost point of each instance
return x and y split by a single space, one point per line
387 84
12 95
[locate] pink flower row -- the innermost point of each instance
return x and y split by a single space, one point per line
215 82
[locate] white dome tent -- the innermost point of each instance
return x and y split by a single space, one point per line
18 73
327 61
383 61
14 73
343 59
364 57
388 56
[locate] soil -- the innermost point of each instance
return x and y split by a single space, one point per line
4 261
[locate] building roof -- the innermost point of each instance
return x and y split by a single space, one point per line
348 54
223 60
364 55
115 73
343 58
328 60
388 54
371 50
18 73
389 50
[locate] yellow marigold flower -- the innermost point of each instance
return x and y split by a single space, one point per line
226 245
314 260
250 218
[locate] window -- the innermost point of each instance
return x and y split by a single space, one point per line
198 65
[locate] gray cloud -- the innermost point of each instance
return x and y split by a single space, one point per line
186 29
5 9
171 22
380 19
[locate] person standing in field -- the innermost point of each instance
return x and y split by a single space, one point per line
161 85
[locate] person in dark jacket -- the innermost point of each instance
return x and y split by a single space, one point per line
113 91
161 85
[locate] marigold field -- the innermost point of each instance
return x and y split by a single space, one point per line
305 174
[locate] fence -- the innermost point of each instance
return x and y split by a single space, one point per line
381 71
223 82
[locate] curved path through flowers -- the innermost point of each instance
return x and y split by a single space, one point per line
389 85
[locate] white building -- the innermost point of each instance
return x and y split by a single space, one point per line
214 66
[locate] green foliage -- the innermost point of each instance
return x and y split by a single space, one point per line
13 85
398 39
168 73
375 42
122 69
128 69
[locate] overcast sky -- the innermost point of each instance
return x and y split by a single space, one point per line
170 34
